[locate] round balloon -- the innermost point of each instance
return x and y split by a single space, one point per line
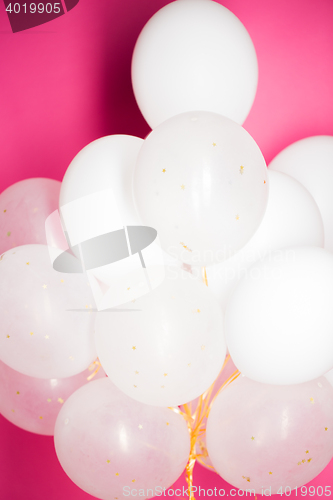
310 161
47 318
271 439
167 347
279 319
292 219
201 182
24 208
111 445
34 403
194 54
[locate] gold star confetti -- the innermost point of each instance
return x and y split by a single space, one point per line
307 451
108 461
129 288
28 263
61 281
264 182
133 480
9 233
4 211
325 427
17 392
13 411
140 426
86 306
46 337
198 310
299 463
270 473
163 170
8 337
162 387
2 256
31 333
237 217
309 460
165 374
247 478
167 423
44 286
41 418
188 364
186 248
202 347
181 187
214 144
136 372
312 400
135 386
117 473
303 461
49 400
134 348
60 400
252 438
241 170
71 358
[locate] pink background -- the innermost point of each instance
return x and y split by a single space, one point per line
66 83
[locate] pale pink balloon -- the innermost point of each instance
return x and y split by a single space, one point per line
265 437
34 403
110 444
201 446
24 208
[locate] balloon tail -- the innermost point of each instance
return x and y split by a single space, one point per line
204 276
96 364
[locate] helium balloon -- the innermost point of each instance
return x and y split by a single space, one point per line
33 403
191 55
292 219
24 207
271 439
279 319
111 445
310 161
167 347
201 182
47 318
100 220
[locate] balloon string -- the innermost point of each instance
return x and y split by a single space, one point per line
195 425
95 364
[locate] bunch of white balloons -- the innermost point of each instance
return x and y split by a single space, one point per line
119 276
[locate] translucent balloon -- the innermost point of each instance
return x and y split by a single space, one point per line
112 446
292 219
271 439
201 181
167 347
24 207
279 319
34 403
47 318
310 161
194 54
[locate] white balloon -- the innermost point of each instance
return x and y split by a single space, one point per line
201 181
279 319
47 318
167 347
194 55
106 163
310 161
292 218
